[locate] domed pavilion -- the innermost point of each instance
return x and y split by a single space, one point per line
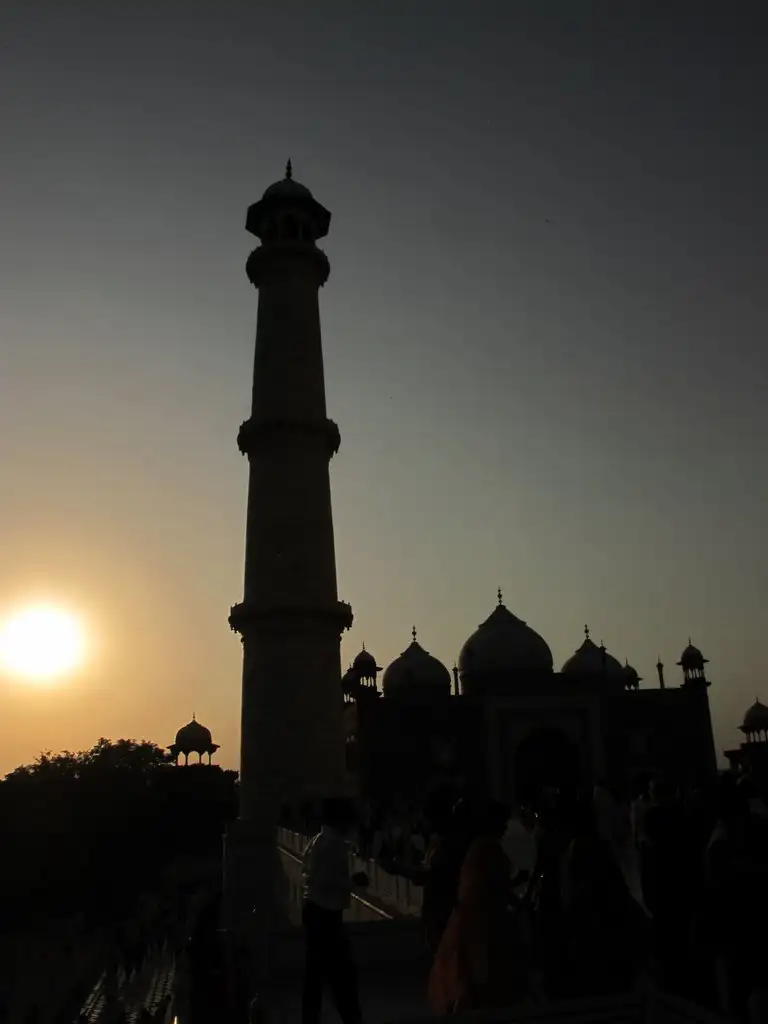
193 738
752 756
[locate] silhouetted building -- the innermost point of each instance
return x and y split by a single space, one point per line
193 738
511 725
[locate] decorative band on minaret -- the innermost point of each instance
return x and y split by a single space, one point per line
290 619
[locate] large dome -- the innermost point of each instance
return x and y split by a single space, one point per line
591 660
416 673
504 643
194 738
756 719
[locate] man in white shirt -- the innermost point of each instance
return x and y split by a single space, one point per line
328 887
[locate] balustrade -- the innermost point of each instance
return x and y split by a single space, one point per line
390 892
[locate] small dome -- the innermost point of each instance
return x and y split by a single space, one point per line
287 189
692 658
756 719
631 676
194 738
365 663
281 195
591 660
504 643
416 672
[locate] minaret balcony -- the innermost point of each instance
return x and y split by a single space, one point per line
247 617
256 434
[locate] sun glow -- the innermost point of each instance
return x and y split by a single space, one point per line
41 643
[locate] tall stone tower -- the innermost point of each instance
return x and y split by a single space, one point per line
290 619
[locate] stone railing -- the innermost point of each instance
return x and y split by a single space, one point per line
397 896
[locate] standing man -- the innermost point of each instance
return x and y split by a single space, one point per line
328 886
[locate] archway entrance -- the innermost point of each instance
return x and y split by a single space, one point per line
544 759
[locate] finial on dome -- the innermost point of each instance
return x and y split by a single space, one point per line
690 644
413 634
288 170
586 632
193 717
500 596
363 644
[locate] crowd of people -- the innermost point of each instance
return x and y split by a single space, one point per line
657 885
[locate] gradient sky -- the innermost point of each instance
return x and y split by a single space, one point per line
544 331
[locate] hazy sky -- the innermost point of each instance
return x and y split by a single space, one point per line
544 331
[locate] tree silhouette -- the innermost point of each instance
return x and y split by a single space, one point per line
87 833
101 851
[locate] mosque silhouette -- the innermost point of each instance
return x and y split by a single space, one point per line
506 722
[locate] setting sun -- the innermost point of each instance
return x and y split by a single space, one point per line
41 643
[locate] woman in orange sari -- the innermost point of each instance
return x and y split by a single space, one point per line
476 965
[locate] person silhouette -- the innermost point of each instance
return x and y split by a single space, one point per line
328 886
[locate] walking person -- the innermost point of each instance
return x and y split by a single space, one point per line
480 963
328 885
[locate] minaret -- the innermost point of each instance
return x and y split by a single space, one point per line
290 619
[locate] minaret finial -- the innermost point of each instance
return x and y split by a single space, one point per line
500 596
289 169
193 717
586 632
413 634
